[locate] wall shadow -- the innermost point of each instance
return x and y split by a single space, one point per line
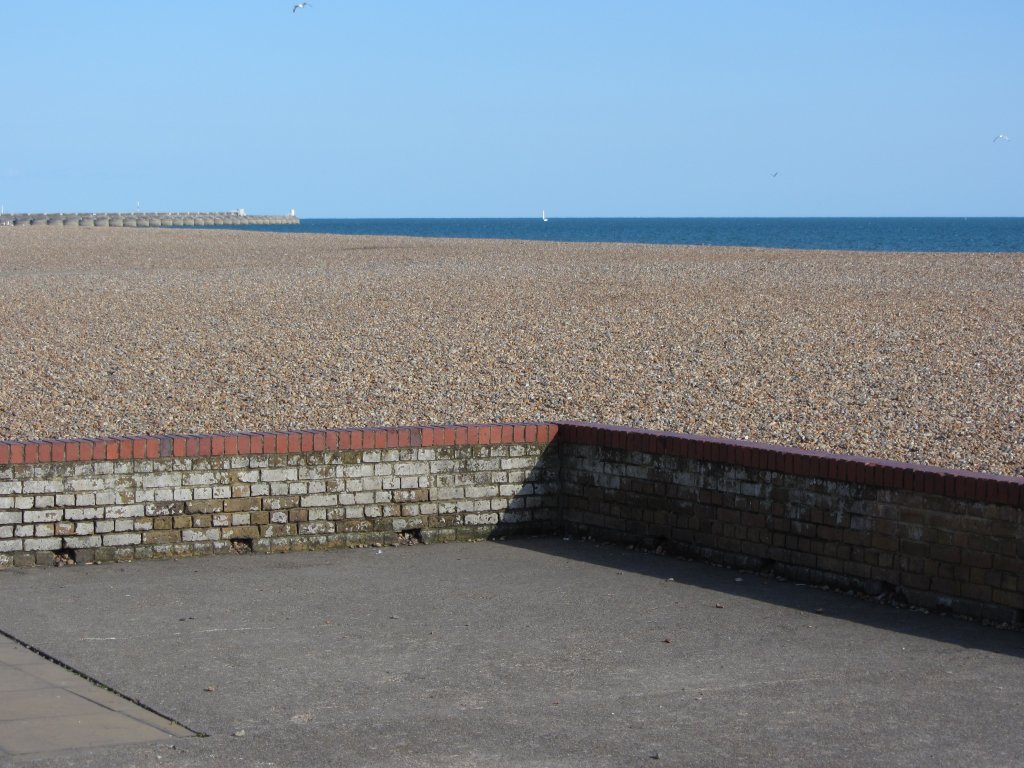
809 599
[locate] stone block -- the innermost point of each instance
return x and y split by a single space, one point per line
279 502
243 504
38 487
82 542
405 523
481 491
240 532
124 554
480 519
49 543
278 475
203 478
43 515
319 500
200 534
125 510
121 539
319 527
204 506
278 529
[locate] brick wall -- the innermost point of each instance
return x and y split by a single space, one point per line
136 498
934 537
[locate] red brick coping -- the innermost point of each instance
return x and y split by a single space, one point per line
969 486
953 483
250 443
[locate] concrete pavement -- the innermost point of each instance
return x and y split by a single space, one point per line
45 708
531 652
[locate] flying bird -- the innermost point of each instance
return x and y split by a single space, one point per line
775 174
300 5
1002 136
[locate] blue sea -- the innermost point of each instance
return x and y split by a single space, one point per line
858 234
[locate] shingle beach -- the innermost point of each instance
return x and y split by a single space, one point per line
912 357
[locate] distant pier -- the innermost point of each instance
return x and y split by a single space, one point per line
228 218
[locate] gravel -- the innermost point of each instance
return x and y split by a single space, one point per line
906 356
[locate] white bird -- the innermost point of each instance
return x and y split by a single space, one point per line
300 5
1002 136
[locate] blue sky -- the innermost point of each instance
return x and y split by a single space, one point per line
458 109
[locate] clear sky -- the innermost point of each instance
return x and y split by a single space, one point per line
464 108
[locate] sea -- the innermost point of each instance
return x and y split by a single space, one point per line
961 235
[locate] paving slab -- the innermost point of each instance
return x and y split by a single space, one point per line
45 708
530 652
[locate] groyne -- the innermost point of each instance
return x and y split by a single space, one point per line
941 539
143 219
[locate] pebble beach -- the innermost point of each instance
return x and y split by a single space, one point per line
903 356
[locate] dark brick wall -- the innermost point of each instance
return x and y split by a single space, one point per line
955 552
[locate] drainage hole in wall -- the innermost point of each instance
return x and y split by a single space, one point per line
893 593
64 556
411 536
241 546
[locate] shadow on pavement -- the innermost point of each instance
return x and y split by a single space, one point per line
812 599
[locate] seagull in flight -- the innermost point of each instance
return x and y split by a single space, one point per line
773 175
300 5
1002 136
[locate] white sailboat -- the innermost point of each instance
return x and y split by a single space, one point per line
543 216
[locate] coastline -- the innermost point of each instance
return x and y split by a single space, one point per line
873 234
917 358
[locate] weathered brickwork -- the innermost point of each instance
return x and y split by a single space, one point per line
936 538
95 511
931 549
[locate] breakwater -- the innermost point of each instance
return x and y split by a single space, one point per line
141 219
